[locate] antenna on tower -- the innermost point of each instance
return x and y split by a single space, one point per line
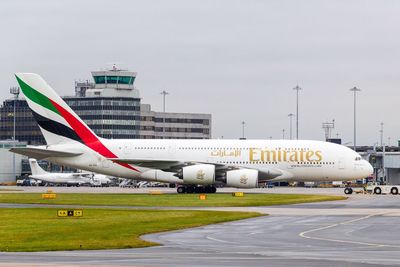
328 127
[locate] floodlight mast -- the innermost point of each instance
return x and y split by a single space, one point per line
14 91
355 90
297 88
164 94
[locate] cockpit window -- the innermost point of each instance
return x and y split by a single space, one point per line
358 158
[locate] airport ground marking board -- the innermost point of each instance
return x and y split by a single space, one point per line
69 213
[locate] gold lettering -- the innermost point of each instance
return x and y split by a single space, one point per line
309 155
318 153
253 153
284 155
301 155
266 155
279 155
293 156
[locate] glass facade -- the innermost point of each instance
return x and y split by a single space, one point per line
108 117
113 79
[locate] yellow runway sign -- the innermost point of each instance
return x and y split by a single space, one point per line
238 194
49 196
70 213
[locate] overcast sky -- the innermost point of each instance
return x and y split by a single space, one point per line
237 60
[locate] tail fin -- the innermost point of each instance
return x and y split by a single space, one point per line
35 168
57 121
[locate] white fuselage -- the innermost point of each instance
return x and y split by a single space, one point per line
297 160
61 178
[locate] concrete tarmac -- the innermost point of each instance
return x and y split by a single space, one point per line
361 231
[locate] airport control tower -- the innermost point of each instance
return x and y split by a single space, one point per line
113 83
111 105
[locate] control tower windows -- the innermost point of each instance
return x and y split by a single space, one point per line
114 79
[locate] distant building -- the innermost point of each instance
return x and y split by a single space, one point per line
6 162
168 125
26 127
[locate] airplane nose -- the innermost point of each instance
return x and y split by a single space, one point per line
369 168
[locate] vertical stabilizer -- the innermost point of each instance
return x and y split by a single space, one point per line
57 121
35 168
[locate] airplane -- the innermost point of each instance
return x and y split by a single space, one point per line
194 165
70 179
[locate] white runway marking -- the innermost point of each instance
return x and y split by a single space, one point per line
304 234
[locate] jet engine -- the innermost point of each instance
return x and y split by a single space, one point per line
201 174
243 178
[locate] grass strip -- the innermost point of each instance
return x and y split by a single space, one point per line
39 229
164 200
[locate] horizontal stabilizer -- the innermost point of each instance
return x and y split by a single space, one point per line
42 153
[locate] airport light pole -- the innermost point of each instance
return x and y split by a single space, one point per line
15 91
381 131
164 94
297 88
355 90
290 129
243 125
283 134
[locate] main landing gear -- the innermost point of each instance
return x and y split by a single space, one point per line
190 189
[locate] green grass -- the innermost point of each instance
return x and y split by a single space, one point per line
39 229
175 200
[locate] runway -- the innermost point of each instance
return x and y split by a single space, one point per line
361 231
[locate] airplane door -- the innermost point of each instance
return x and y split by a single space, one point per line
341 164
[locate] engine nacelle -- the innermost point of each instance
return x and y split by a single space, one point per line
203 174
243 178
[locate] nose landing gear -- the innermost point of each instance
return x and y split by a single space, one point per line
348 190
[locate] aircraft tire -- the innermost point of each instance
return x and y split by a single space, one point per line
200 189
377 190
394 191
181 190
348 190
190 189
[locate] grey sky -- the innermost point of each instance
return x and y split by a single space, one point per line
238 60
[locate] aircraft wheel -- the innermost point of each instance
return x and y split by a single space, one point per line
200 189
377 190
190 189
394 191
181 190
348 191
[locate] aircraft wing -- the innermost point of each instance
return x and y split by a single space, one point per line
175 165
150 163
42 153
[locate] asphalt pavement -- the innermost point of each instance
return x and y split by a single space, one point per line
361 231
